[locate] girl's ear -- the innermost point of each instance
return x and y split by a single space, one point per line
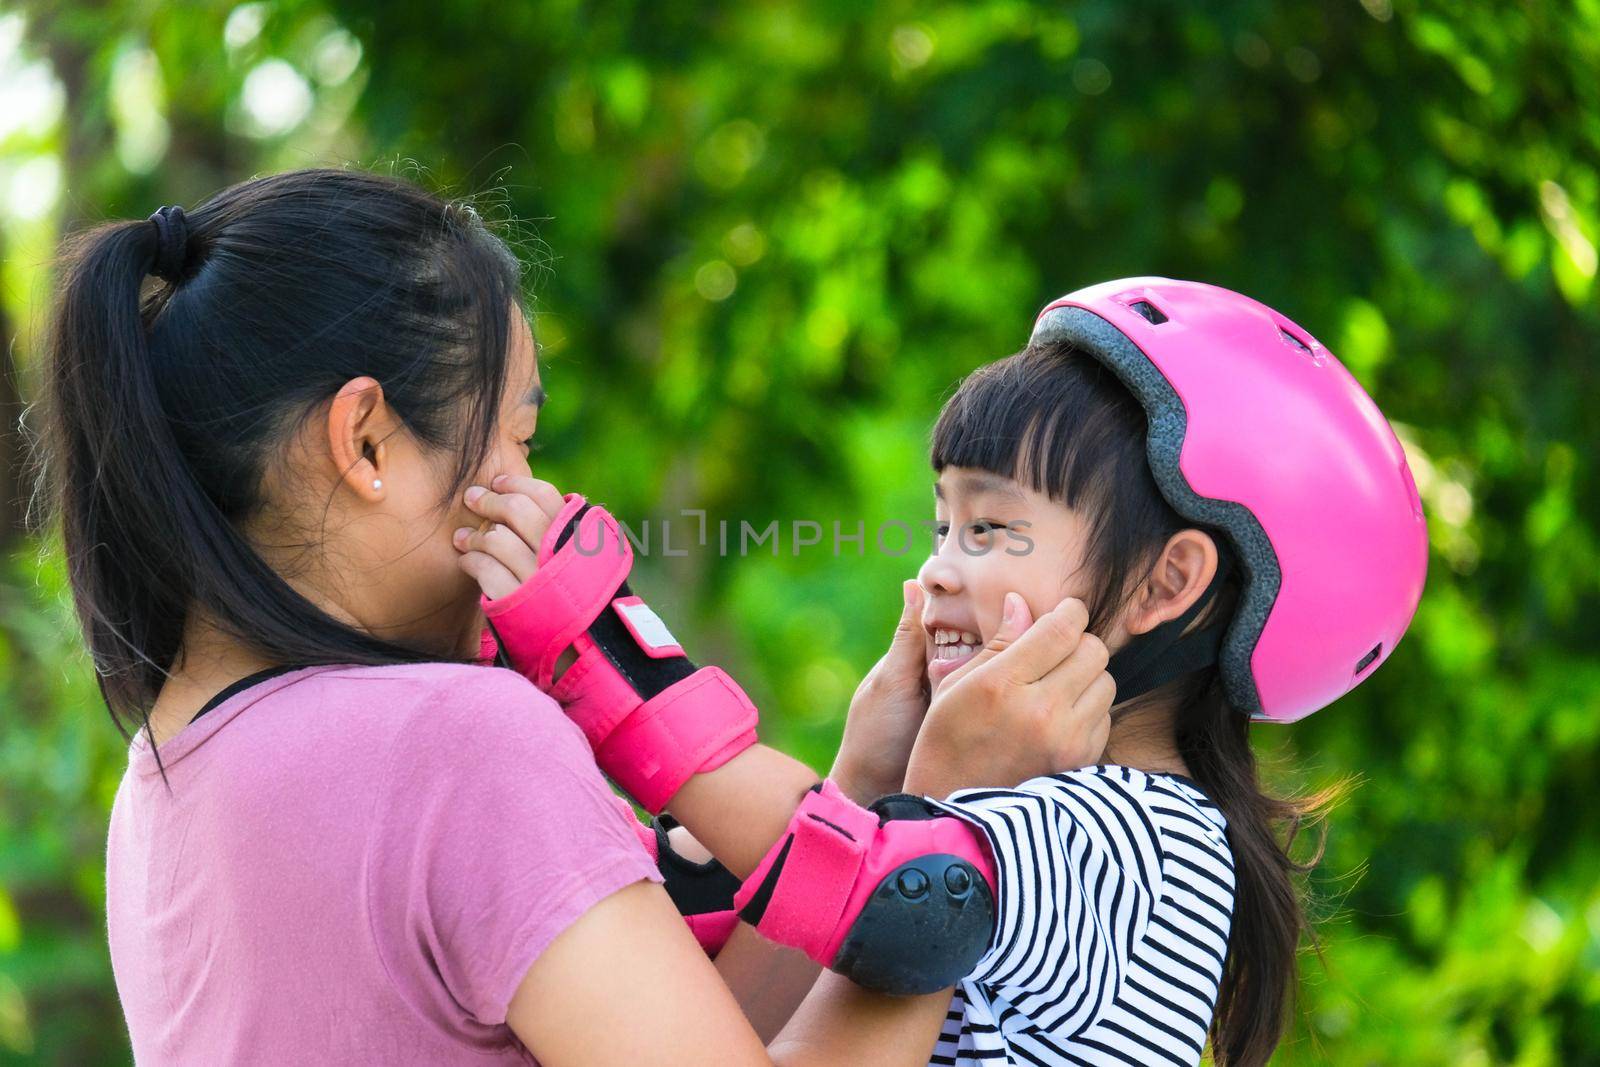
1181 573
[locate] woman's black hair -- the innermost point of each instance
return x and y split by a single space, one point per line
165 402
1055 419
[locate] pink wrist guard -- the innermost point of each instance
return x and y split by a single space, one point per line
899 898
652 717
488 649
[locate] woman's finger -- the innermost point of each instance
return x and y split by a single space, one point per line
516 510
541 492
1014 622
1083 732
491 575
1045 646
1067 682
908 648
1099 696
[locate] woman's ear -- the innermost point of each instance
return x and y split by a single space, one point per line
1181 573
358 421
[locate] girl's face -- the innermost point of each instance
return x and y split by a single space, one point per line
996 536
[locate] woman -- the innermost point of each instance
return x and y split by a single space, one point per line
338 839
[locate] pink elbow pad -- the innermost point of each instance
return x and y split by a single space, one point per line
702 892
653 718
900 898
712 929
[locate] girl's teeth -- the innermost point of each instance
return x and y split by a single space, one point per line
954 644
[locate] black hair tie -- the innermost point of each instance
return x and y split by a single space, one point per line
172 243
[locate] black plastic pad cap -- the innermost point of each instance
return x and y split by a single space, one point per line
924 928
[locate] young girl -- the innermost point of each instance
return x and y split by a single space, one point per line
1243 527
337 839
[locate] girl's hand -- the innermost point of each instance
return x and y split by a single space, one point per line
1035 701
503 551
887 711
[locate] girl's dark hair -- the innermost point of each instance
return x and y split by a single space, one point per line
1054 418
165 402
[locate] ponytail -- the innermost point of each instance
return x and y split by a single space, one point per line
1269 914
161 400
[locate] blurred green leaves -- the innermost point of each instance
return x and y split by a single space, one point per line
769 237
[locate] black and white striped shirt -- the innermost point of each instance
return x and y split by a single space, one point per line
1115 899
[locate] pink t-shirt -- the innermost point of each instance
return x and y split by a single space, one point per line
355 865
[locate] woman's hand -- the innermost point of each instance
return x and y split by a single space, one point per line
886 711
1036 700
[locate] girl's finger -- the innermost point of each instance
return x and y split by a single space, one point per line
490 574
498 541
516 510
547 496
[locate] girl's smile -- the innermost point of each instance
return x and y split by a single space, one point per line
948 648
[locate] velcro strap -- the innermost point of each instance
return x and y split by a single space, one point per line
666 741
798 894
560 528
583 560
593 694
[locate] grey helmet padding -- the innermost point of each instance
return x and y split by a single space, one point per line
1168 422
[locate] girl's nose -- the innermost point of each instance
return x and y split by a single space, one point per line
939 575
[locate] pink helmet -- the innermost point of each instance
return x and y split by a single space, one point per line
1256 429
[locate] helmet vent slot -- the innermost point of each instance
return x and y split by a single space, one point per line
1148 311
1370 658
1293 340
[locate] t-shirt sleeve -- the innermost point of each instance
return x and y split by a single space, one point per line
496 832
1078 861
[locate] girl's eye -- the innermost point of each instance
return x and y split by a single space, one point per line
985 526
941 530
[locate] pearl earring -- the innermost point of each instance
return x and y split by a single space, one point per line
377 483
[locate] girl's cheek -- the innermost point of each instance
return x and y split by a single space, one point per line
1001 574
1039 586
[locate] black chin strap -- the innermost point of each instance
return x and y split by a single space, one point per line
1151 660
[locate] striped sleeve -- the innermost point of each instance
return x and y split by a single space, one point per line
1079 863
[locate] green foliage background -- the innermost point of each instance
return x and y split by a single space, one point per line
770 237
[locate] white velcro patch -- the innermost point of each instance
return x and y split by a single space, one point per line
647 625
